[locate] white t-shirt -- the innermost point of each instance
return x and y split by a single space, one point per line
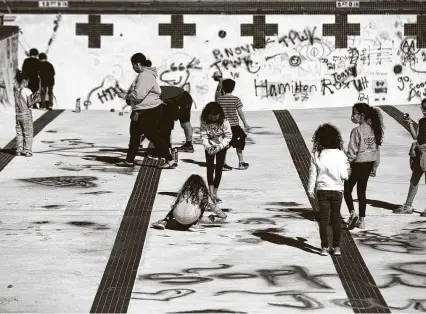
21 100
328 171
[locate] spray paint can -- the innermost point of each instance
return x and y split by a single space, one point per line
406 116
78 105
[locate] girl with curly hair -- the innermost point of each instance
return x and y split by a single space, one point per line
190 204
364 156
216 135
329 168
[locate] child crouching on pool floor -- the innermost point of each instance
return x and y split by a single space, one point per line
190 204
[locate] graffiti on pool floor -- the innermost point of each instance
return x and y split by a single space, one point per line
411 274
64 181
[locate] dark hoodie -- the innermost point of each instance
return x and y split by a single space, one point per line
144 93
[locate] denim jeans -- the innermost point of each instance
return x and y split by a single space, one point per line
330 203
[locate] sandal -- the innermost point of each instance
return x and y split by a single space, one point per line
168 165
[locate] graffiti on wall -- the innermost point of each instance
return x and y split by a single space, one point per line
314 54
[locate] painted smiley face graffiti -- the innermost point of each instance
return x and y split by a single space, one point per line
178 73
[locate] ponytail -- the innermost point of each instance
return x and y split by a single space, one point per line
148 63
376 122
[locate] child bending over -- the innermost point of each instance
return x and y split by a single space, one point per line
191 203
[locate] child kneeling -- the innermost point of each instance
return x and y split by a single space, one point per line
329 167
190 205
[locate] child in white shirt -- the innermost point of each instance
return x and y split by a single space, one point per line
329 168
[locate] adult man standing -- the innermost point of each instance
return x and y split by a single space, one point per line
178 107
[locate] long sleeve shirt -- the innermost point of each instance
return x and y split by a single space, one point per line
362 146
212 134
144 93
328 171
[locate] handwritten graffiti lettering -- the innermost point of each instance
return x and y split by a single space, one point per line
270 276
351 71
328 85
396 243
402 80
363 98
295 36
417 91
305 302
228 53
330 65
110 91
276 89
244 62
370 303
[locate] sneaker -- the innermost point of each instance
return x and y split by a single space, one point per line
168 165
336 251
18 153
28 154
404 209
195 228
243 166
353 219
186 148
324 251
161 225
227 167
125 164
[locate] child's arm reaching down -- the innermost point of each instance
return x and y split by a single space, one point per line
241 113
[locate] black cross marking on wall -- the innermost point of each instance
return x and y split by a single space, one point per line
417 29
177 30
341 30
259 30
95 30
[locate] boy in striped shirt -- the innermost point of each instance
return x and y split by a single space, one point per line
232 105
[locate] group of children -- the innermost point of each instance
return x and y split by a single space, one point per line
219 130
32 85
333 172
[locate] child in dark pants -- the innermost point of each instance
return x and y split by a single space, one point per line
364 156
232 107
329 167
216 135
47 79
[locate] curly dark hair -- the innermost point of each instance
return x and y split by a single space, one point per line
327 136
374 118
212 109
191 191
